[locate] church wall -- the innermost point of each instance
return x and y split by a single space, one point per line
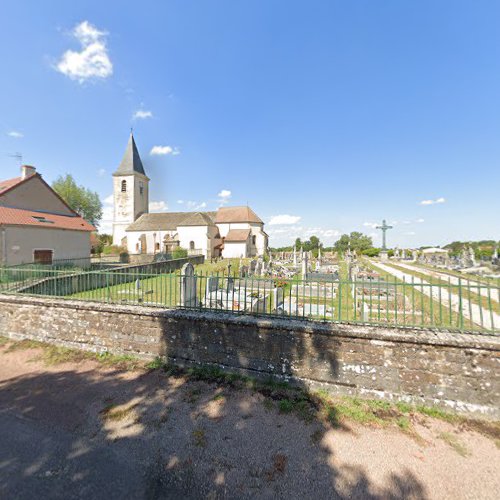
197 234
235 250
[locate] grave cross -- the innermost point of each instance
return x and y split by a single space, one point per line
384 227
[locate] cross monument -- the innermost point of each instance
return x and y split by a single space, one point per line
384 227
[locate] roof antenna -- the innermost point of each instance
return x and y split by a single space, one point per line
19 157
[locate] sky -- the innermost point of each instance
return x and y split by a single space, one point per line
324 116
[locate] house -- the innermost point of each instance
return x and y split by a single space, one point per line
36 224
228 232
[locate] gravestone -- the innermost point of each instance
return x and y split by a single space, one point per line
258 268
253 265
278 300
188 286
230 284
243 271
212 284
304 266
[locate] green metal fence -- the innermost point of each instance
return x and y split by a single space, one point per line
466 306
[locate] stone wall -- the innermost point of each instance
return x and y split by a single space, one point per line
454 371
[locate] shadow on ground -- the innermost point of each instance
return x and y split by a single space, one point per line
81 431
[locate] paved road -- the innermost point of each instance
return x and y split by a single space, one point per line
475 313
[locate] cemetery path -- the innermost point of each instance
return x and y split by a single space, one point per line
473 312
80 430
452 279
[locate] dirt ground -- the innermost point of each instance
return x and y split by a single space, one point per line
85 431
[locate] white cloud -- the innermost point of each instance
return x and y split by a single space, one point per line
142 114
224 196
373 225
164 150
157 206
196 205
101 172
419 221
284 219
92 61
15 134
106 224
410 233
180 202
432 202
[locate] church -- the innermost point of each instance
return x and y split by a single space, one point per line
229 232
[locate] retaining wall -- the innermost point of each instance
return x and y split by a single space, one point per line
455 371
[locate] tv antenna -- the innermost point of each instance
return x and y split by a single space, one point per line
18 156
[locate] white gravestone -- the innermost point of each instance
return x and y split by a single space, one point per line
188 286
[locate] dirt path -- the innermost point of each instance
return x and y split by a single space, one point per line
476 286
82 431
474 312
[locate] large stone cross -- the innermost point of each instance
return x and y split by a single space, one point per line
384 227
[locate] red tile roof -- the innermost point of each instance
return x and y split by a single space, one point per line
20 217
9 183
236 214
237 235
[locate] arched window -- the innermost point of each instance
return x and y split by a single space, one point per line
191 245
254 240
124 186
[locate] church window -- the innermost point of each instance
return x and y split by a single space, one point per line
141 188
191 245
124 186
254 240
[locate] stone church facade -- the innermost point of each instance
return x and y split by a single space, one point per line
230 232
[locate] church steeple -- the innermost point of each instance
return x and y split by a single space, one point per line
131 162
130 192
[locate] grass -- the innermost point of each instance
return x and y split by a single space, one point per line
470 293
454 443
432 314
114 413
199 437
52 355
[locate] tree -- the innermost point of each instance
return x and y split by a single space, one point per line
83 201
298 243
355 241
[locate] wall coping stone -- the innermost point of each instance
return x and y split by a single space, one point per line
409 335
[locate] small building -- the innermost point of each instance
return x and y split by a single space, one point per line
228 232
36 224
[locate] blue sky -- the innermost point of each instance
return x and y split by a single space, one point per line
323 116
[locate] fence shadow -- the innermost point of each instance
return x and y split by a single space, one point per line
80 431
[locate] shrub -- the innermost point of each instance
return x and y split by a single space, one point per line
179 253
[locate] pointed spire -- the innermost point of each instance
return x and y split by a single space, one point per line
131 161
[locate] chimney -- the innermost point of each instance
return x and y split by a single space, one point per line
27 171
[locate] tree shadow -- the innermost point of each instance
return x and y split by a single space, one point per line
81 431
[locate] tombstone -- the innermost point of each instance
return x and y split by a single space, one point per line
188 286
230 284
243 271
137 284
212 284
295 256
278 300
258 268
472 257
304 267
318 265
414 254
253 265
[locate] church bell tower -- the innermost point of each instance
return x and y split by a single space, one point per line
130 192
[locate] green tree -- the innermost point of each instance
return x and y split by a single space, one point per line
298 243
83 201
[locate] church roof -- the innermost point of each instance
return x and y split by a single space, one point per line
170 221
236 214
131 162
237 235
